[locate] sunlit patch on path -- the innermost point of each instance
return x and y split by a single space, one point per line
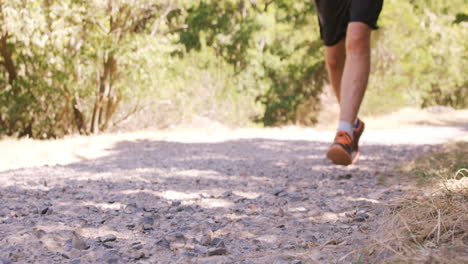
236 196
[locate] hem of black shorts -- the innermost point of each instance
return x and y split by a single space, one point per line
373 26
334 42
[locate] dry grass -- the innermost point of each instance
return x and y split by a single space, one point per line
431 226
434 167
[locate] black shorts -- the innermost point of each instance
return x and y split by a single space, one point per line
334 16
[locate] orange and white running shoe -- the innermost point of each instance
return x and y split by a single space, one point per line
358 132
345 149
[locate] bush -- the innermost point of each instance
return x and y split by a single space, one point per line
419 58
86 66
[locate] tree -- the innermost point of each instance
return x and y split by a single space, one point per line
272 41
63 62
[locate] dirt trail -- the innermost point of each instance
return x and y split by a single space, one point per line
204 196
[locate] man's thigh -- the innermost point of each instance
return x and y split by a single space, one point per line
366 11
335 15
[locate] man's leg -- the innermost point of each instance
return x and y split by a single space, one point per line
345 149
335 57
356 70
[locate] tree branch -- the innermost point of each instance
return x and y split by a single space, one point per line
157 24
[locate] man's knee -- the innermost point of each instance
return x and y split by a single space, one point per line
358 37
334 61
335 55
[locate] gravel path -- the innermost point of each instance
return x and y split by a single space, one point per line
243 196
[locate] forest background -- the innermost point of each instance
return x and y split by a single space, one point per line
70 66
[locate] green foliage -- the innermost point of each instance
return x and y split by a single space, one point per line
419 58
66 63
270 45
70 66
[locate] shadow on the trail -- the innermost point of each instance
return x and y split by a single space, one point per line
211 180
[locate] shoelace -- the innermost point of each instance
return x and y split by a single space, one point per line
343 138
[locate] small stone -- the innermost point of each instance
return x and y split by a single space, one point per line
99 220
112 261
39 233
251 207
190 254
137 246
351 214
137 255
295 196
169 216
345 176
217 251
146 227
205 240
204 234
215 241
179 235
149 209
218 243
163 243
147 220
240 200
78 242
277 191
176 203
250 212
201 249
282 194
361 217
221 244
44 210
75 261
130 226
332 242
227 194
363 228
108 238
109 244
130 208
279 212
311 238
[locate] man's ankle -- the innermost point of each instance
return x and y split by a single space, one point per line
346 127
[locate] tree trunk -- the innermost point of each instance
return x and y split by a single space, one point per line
103 97
7 62
78 115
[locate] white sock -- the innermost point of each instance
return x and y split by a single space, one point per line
346 127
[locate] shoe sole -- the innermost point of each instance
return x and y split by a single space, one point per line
339 156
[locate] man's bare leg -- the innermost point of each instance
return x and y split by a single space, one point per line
356 70
345 148
335 57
